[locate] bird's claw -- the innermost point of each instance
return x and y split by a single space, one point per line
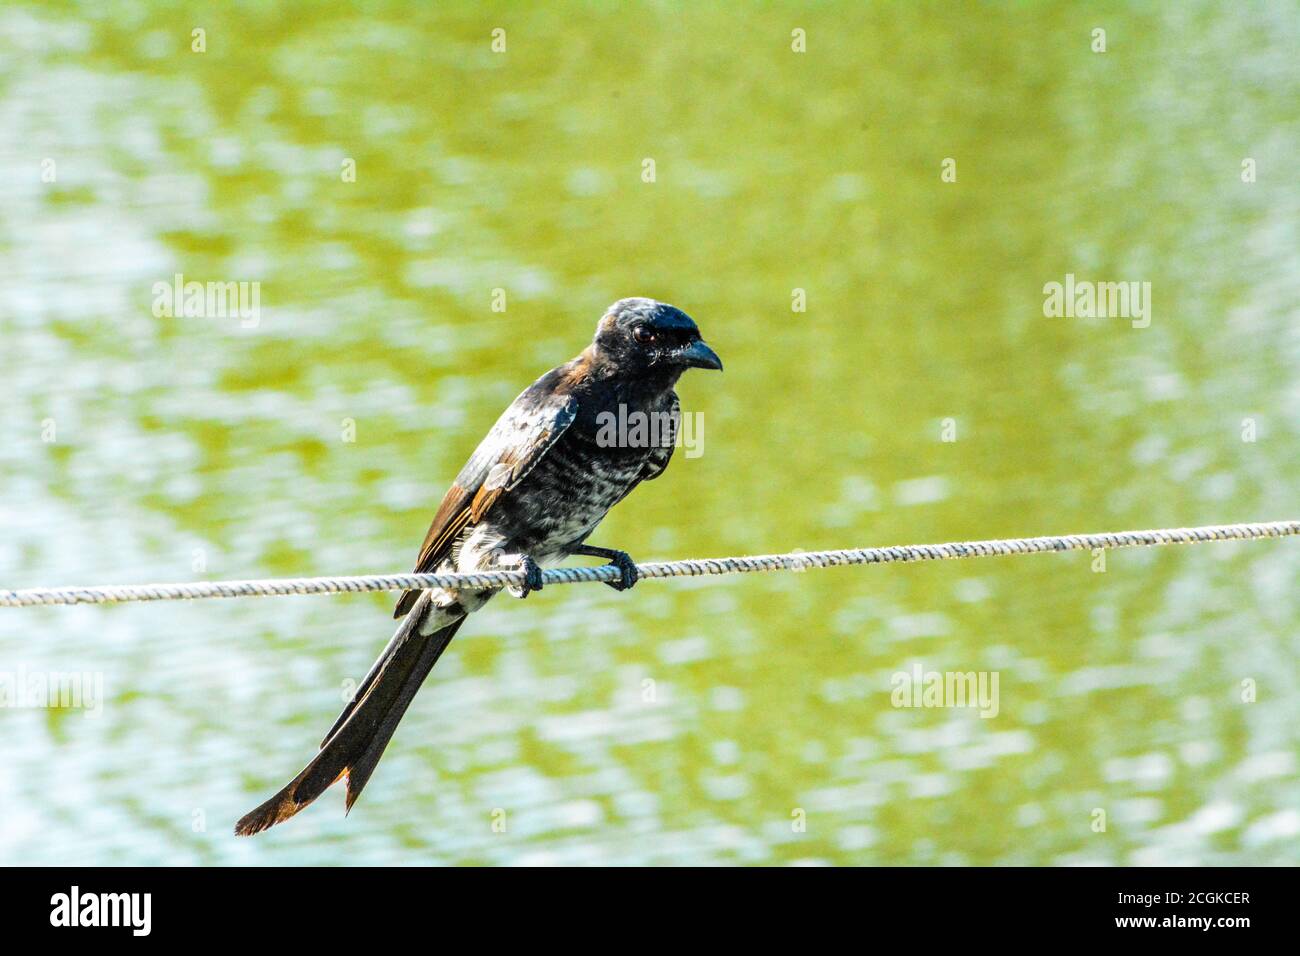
532 578
627 568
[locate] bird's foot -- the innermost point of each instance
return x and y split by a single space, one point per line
532 578
628 574
627 568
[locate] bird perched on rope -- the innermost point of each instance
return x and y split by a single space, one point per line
531 494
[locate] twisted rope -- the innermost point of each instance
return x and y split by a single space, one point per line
792 561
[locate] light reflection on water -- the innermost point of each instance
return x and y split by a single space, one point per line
184 440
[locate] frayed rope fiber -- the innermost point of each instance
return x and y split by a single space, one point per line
792 561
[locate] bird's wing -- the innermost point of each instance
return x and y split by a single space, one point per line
514 446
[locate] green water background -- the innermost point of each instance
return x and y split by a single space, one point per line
195 442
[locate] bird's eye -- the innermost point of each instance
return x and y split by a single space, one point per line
643 335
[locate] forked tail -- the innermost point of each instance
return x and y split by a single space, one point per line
357 740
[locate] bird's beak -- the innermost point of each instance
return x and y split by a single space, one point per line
699 355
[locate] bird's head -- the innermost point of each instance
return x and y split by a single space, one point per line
645 338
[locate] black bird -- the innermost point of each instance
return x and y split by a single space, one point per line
531 494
